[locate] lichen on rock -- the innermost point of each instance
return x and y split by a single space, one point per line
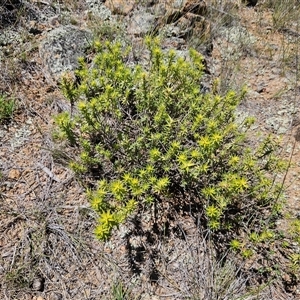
61 48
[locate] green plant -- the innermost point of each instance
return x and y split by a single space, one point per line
246 253
148 135
18 277
7 108
294 264
294 230
284 13
235 245
119 292
107 30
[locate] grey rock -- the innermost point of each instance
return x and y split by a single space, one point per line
120 7
279 125
141 23
261 87
38 284
21 136
61 48
238 35
10 36
98 9
240 40
55 296
170 30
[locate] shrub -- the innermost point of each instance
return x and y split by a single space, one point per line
149 135
7 108
284 13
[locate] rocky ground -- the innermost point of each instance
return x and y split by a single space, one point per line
47 247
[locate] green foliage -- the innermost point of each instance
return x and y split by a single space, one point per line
235 245
246 253
295 263
295 230
284 13
119 292
7 108
148 135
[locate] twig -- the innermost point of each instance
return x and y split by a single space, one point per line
48 172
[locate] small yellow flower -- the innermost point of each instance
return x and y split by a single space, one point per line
118 189
234 160
209 192
161 184
247 253
235 245
102 231
81 105
154 154
212 211
107 218
204 142
214 224
182 158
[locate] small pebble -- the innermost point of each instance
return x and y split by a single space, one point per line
38 284
55 296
